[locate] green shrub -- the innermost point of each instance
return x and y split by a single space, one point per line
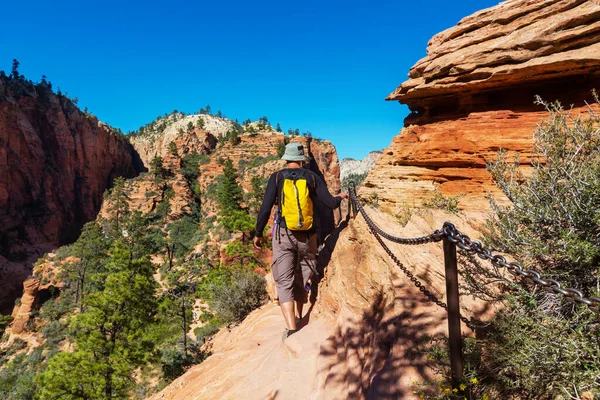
234 300
441 202
541 346
204 332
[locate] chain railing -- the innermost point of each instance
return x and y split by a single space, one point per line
452 239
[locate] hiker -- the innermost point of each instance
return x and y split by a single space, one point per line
294 238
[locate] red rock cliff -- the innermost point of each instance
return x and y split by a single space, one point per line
474 93
55 163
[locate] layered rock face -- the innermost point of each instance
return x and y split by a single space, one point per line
55 163
474 93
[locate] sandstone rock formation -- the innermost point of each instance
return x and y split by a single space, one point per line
474 93
55 163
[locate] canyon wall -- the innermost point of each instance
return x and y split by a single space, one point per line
55 163
474 94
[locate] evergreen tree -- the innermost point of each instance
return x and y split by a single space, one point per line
179 300
119 201
173 148
278 129
157 168
200 123
91 250
229 191
219 114
208 110
15 69
190 126
111 339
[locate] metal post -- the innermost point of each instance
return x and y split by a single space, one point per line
454 339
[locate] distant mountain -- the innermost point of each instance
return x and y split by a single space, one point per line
357 170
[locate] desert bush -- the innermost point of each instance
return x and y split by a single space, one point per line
438 201
204 332
234 300
541 346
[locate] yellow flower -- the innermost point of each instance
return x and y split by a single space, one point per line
455 390
447 391
422 396
474 381
462 386
485 397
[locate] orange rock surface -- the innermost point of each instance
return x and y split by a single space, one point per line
55 163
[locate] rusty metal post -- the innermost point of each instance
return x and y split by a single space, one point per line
454 336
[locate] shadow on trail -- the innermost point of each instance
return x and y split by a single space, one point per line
368 358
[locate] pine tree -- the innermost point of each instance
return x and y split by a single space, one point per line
111 335
119 201
91 250
229 191
278 129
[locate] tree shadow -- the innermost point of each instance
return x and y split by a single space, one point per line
368 358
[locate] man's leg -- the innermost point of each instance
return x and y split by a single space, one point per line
308 262
283 275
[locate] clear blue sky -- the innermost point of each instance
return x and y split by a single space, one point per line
320 66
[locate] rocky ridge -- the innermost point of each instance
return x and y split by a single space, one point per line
55 163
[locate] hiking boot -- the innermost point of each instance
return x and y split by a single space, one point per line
287 333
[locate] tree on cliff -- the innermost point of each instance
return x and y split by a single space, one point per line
91 250
118 201
229 191
112 335
15 69
157 168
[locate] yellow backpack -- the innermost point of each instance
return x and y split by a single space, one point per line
294 194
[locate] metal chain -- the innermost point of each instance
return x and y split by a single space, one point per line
434 237
377 233
463 242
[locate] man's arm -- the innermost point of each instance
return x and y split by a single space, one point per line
323 194
267 205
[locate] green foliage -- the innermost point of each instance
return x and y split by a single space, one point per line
204 332
157 168
278 129
200 123
281 146
440 202
5 320
118 201
173 148
229 191
234 300
541 346
356 178
190 165
112 335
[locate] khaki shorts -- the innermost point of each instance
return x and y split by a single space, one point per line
287 245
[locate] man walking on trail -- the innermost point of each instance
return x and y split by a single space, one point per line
294 239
